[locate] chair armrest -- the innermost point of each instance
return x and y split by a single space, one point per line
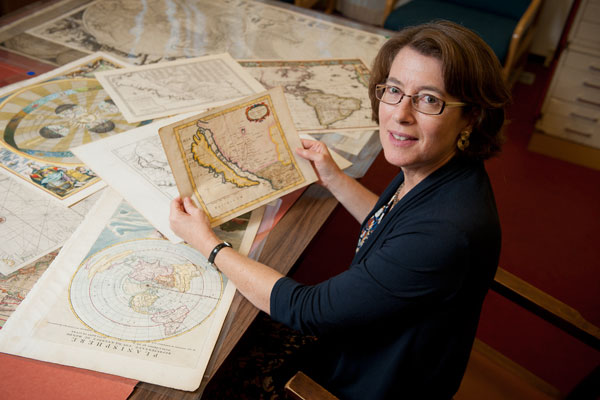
301 387
547 307
521 37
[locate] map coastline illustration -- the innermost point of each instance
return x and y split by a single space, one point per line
145 290
237 157
323 95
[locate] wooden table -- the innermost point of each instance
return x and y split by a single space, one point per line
287 240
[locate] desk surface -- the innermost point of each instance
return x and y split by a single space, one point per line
293 233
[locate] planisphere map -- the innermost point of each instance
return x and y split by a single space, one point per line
235 158
121 299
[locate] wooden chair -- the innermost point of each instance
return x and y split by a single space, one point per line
506 26
301 387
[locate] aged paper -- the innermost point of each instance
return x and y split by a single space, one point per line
121 299
136 166
235 158
327 94
31 224
351 141
337 158
43 117
175 87
151 31
16 285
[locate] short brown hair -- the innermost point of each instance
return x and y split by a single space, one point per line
471 73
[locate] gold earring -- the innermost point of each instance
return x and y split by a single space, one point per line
463 140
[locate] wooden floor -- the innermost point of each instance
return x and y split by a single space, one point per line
492 376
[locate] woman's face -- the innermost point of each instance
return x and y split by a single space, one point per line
416 142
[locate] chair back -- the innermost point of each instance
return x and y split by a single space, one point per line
513 9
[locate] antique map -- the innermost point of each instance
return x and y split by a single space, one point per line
16 285
42 118
164 290
175 87
350 142
121 299
32 224
329 94
136 166
145 32
237 157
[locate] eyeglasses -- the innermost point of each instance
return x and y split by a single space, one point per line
423 103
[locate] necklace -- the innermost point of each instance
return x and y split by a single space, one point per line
396 197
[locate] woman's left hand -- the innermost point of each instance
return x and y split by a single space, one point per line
191 224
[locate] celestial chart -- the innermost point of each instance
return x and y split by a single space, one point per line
46 120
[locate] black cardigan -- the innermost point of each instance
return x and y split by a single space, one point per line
401 321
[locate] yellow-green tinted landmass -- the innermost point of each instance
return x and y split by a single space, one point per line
205 157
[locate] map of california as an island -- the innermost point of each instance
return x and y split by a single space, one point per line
237 157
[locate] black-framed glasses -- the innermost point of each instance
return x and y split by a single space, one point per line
423 103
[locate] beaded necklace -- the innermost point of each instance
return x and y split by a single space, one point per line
376 218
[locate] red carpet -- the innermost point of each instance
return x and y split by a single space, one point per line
550 215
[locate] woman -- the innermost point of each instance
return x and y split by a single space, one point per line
400 322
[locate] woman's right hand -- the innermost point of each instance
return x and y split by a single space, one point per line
191 224
326 168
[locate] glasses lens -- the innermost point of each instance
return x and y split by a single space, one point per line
379 90
388 94
427 104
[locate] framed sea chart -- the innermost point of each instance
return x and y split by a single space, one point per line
43 117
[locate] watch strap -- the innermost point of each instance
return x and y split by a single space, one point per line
213 253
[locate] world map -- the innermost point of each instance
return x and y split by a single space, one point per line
145 290
322 94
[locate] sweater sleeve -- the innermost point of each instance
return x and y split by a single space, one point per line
420 266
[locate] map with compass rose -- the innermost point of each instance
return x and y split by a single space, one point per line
145 290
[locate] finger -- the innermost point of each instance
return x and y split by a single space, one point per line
189 206
308 143
176 205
